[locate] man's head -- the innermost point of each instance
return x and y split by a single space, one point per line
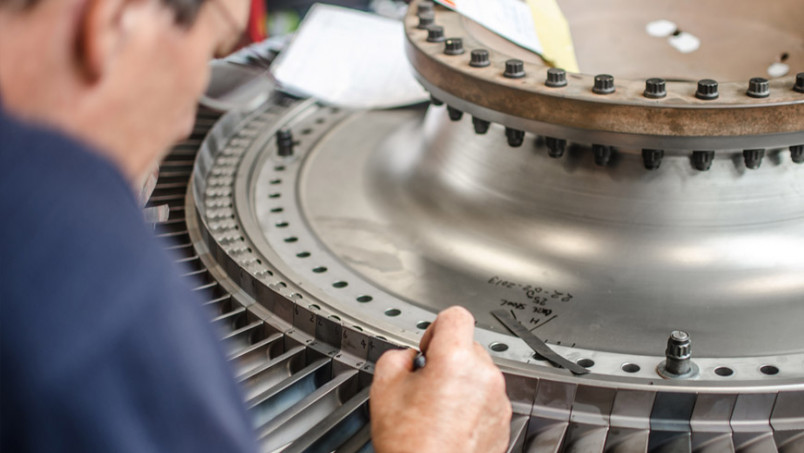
123 75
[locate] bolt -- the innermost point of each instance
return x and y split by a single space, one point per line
602 154
515 137
284 142
758 88
426 20
753 158
454 114
678 353
604 84
799 86
453 46
435 33
555 146
479 58
707 90
655 88
481 126
514 69
435 101
702 160
425 6
556 78
797 154
652 158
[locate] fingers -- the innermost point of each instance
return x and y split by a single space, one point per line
453 329
394 364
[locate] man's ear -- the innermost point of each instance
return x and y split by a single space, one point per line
100 34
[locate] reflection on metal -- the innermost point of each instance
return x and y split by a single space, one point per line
322 258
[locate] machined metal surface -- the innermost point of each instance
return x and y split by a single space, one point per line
336 235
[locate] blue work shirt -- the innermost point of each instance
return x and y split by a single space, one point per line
103 346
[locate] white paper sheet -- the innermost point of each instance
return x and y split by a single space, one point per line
349 58
511 19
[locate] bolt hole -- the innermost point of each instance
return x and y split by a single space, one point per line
303 255
307 131
335 318
282 225
340 284
314 307
320 121
630 367
393 312
277 210
275 195
784 56
283 284
320 270
498 347
364 299
276 181
724 371
291 239
279 168
423 324
770 370
677 32
586 363
357 328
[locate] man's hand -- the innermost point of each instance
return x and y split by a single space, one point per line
456 403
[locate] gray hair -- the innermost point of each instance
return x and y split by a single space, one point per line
185 10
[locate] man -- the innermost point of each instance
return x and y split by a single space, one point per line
103 347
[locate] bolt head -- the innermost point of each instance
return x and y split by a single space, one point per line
435 33
479 58
514 69
426 20
604 84
799 86
556 78
453 46
707 90
655 88
758 87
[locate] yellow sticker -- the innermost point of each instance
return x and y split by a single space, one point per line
554 34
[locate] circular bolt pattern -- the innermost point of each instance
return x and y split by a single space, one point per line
515 137
481 126
602 154
797 154
453 46
753 158
655 88
556 78
758 88
799 86
604 84
426 20
707 90
555 146
479 58
652 158
702 160
454 114
514 69
435 33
